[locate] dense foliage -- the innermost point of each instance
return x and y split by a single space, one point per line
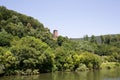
27 47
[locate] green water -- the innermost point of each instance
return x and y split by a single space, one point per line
89 75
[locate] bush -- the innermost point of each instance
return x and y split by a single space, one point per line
92 61
82 67
35 71
109 65
28 71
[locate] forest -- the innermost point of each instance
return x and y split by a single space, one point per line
27 47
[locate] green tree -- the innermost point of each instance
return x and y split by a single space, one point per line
8 61
32 53
86 46
5 39
93 39
60 40
108 39
86 38
63 59
102 39
76 61
46 61
92 61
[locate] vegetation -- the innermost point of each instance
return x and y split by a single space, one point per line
27 47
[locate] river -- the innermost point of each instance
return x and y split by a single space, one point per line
88 75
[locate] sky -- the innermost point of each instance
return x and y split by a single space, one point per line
72 18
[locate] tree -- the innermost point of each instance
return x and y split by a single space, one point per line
76 61
8 61
26 57
93 39
86 38
60 40
5 39
63 59
46 61
102 39
92 61
86 46
108 39
105 50
32 53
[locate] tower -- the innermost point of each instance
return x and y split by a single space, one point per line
55 34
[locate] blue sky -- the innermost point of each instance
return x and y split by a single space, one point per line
72 18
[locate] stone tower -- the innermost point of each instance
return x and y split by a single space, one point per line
55 34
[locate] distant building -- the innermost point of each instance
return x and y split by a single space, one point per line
55 34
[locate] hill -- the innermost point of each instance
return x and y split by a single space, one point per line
27 47
20 25
100 39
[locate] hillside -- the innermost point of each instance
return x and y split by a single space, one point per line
27 47
20 25
100 39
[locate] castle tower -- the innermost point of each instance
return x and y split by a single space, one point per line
55 34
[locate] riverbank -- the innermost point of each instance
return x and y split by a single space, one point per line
112 74
82 68
103 66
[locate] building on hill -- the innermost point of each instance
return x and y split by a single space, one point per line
55 34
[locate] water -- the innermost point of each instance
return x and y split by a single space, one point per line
88 75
